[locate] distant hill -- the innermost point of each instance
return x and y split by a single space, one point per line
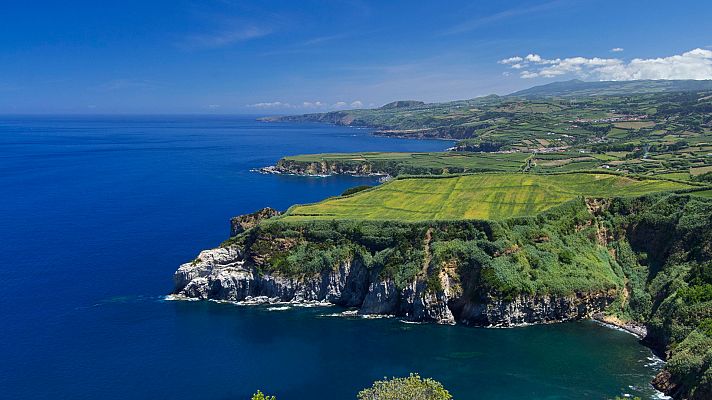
403 104
576 87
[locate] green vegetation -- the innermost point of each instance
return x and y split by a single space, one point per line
548 254
664 129
577 88
411 388
261 396
663 247
403 163
355 189
478 196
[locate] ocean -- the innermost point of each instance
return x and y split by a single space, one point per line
97 212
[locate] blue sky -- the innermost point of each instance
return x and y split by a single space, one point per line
265 57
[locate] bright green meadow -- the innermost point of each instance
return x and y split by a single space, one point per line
478 196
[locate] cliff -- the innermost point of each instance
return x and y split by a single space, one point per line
413 271
644 261
327 167
224 274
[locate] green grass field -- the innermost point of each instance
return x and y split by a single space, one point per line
423 162
478 196
704 193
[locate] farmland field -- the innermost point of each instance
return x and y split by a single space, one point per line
478 196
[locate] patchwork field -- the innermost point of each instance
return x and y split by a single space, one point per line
478 196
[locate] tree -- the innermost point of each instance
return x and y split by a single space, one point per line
411 388
261 396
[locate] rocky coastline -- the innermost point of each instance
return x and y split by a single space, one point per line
318 171
224 274
230 273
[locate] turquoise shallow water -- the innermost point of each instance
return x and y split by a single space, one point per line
96 214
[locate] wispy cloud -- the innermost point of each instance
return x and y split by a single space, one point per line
694 64
478 22
315 44
617 49
323 39
225 37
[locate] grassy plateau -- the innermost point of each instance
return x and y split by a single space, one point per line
478 196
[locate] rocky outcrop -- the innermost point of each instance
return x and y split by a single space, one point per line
528 309
224 274
242 223
324 167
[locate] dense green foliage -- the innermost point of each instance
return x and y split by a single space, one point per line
261 396
549 253
355 189
478 196
412 387
664 245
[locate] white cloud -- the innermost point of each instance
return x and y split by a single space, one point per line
535 58
694 64
307 105
617 49
511 60
271 104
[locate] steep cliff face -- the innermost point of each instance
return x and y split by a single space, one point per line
223 274
429 290
285 166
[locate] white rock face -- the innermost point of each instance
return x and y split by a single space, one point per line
205 263
223 274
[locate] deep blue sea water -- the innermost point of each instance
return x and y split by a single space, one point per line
96 213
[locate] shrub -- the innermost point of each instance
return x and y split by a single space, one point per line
261 396
411 388
355 189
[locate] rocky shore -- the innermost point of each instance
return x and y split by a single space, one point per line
229 273
224 274
323 168
638 330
